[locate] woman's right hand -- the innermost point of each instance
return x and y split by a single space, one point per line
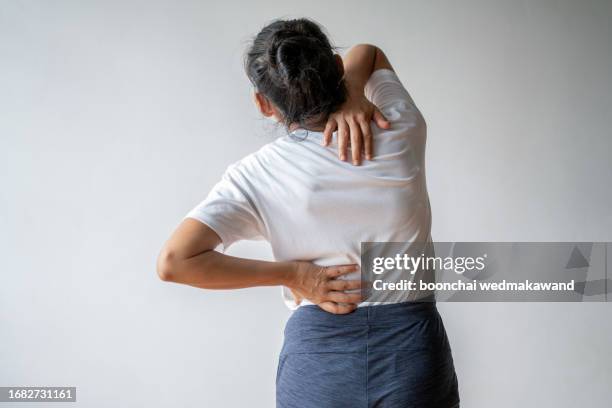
319 284
353 123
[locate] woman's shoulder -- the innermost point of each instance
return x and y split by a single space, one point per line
385 90
256 160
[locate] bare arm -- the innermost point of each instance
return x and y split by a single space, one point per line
359 64
188 257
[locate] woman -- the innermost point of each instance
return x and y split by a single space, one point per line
315 211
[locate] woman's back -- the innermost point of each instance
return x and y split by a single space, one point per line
317 211
311 206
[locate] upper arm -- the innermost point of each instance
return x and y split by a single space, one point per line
227 214
385 90
381 61
230 208
190 238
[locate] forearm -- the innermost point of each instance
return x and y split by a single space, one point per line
189 258
214 270
359 64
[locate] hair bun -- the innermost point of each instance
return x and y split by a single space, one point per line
292 63
295 55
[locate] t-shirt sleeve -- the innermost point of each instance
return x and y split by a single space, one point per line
384 89
230 211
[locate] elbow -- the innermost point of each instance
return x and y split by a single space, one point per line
166 266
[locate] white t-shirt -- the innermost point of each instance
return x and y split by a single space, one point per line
311 206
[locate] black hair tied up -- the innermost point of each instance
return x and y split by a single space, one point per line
292 63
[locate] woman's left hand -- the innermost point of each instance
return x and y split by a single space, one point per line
353 122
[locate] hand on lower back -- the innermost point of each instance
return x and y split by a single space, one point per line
321 286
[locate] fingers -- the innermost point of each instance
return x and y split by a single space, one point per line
343 138
344 284
341 297
330 126
380 119
335 271
338 308
329 292
366 130
296 297
356 142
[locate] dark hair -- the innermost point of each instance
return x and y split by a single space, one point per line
292 63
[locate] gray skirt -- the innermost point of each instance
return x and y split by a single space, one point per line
393 355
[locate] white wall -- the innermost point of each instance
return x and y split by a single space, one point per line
117 117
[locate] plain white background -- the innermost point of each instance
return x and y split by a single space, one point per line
117 117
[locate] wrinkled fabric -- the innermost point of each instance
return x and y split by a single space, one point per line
309 205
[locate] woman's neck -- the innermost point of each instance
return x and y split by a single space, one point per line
315 127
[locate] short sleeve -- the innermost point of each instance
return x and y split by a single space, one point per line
230 211
384 89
